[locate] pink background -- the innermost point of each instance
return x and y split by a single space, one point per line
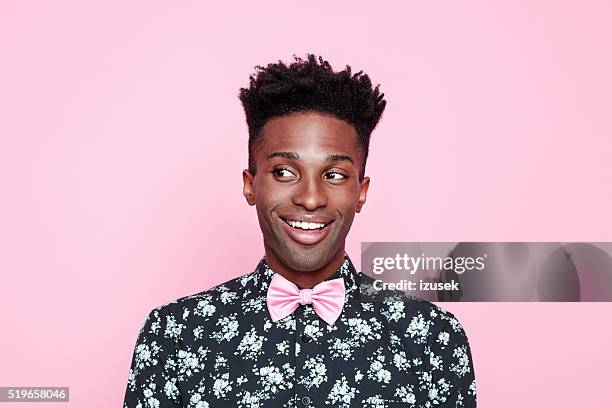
122 142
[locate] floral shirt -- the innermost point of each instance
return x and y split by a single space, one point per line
219 348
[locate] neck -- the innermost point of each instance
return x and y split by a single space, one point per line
304 279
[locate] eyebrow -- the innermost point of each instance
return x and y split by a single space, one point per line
295 156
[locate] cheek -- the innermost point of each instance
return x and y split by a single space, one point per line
347 208
348 202
271 193
269 198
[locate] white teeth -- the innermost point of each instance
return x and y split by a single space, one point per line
305 225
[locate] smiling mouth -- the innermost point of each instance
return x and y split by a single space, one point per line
306 226
306 232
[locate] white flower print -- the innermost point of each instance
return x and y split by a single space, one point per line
395 340
227 297
288 323
205 308
173 329
170 389
132 380
250 400
455 324
439 391
374 401
394 310
443 338
313 330
377 370
367 306
463 361
154 329
189 362
472 389
250 345
364 330
220 362
418 329
401 362
146 355
283 348
254 305
196 401
406 394
316 372
342 349
222 385
198 332
341 393
229 328
245 280
271 378
149 393
435 361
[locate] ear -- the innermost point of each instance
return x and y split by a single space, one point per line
363 192
248 189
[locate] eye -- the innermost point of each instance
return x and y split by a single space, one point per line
282 173
334 175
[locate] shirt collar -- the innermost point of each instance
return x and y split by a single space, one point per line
346 271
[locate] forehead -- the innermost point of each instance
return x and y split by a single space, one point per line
309 131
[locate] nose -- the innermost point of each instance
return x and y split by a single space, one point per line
310 193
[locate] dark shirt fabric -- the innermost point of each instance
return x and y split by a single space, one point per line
219 348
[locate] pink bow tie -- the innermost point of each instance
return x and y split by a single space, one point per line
327 298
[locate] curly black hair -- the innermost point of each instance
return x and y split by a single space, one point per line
311 85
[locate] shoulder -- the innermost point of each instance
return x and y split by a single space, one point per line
171 318
224 293
417 318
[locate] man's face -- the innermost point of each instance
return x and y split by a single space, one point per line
306 188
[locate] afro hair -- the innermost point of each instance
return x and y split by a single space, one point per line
311 85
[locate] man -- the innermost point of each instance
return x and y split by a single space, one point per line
299 331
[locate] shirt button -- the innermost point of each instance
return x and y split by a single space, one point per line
306 400
306 339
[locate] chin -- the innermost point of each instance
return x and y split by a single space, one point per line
306 260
